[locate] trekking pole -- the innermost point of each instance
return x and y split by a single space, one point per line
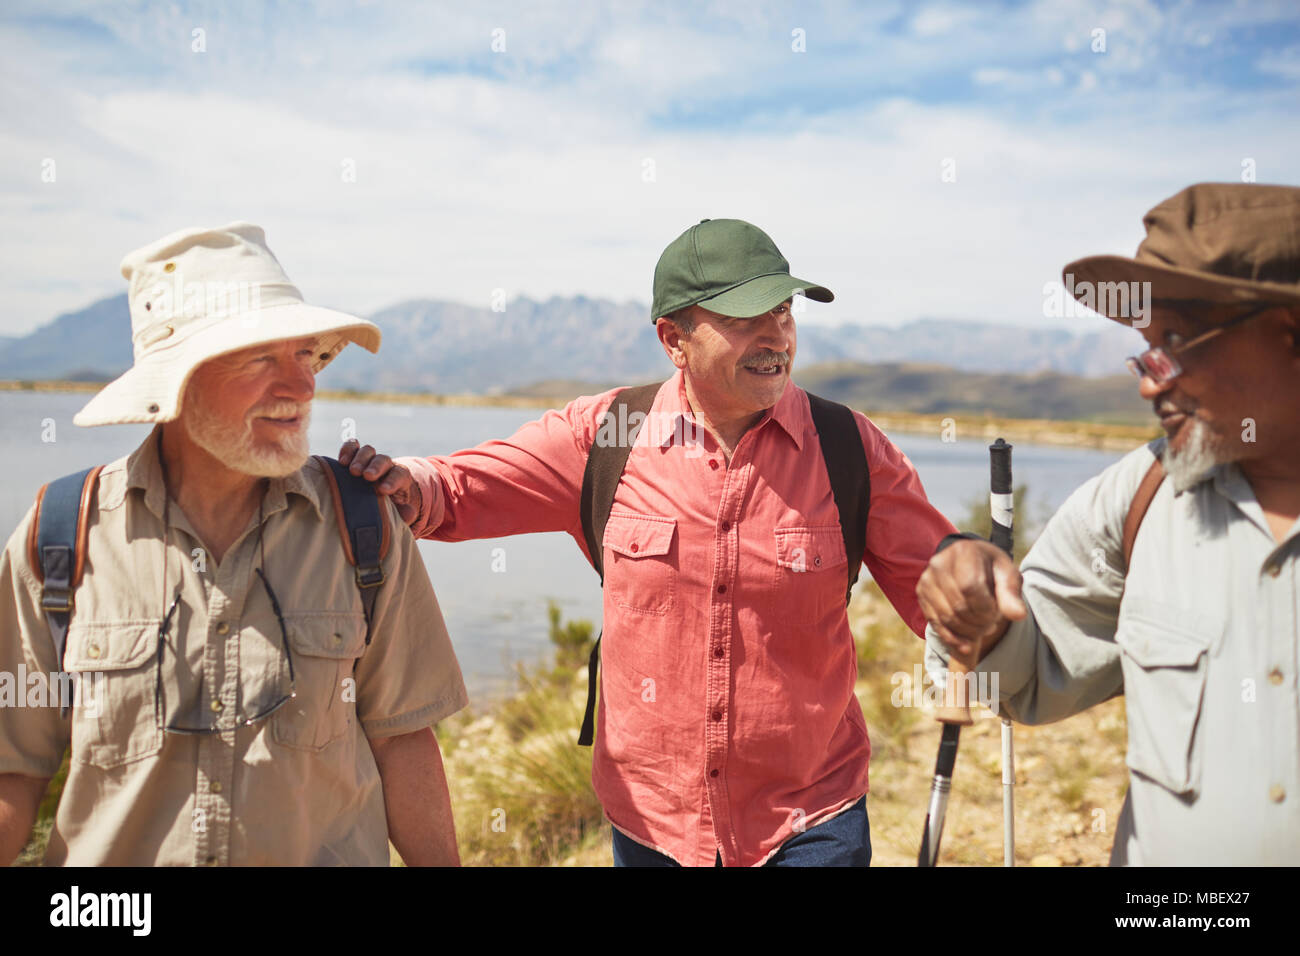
1002 512
955 712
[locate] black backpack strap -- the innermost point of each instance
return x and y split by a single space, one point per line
846 464
605 464
57 550
362 528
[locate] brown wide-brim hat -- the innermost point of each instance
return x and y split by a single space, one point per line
1226 243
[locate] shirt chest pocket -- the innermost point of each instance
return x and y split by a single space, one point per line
811 573
111 668
324 707
641 562
1165 672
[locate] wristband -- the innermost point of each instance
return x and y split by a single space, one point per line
959 536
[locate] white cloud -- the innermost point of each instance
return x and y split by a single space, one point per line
527 173
1283 63
933 21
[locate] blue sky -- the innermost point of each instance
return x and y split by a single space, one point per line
566 161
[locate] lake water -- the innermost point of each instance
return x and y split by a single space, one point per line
495 618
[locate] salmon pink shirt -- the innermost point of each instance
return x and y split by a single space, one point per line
727 718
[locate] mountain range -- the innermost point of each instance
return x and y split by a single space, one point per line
448 347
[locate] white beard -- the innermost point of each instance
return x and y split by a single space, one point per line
235 447
1198 456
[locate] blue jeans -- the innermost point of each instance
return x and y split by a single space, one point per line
844 840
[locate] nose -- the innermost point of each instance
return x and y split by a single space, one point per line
775 331
1149 388
296 382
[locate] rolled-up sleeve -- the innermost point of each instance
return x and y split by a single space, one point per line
408 677
33 735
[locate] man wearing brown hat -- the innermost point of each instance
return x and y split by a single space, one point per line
1172 577
728 730
245 695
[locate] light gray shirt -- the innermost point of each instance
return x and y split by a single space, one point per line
1202 641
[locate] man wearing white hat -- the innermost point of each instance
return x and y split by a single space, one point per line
241 701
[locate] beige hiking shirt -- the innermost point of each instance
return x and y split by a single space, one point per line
298 787
1202 637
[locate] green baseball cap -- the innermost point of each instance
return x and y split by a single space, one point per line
728 266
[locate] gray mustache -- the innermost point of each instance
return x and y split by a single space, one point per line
771 358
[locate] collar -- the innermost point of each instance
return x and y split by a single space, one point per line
1230 482
144 471
790 412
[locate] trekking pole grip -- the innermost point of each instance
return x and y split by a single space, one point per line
956 699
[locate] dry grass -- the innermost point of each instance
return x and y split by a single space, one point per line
1070 776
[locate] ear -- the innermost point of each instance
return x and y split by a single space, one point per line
670 337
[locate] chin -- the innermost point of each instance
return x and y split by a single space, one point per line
277 462
1192 453
240 450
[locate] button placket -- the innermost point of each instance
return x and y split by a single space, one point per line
226 599
717 685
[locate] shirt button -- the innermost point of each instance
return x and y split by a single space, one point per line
214 786
1276 793
817 561
216 706
93 650
726 526
635 548
718 651
717 715
713 463
722 589
713 773
1274 570
1275 676
223 628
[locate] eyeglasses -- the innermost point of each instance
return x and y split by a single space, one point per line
1159 363
284 698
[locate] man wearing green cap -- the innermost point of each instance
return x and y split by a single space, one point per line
728 730
1180 594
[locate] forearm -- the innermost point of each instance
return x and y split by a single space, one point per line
20 798
1045 668
416 798
529 482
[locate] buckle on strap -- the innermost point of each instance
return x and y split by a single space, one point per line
370 577
56 599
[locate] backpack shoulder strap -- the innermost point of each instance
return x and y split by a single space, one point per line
56 547
605 464
363 529
1138 508
846 464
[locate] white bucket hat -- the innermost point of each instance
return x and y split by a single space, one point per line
201 293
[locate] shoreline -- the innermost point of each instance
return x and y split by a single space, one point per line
1037 431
